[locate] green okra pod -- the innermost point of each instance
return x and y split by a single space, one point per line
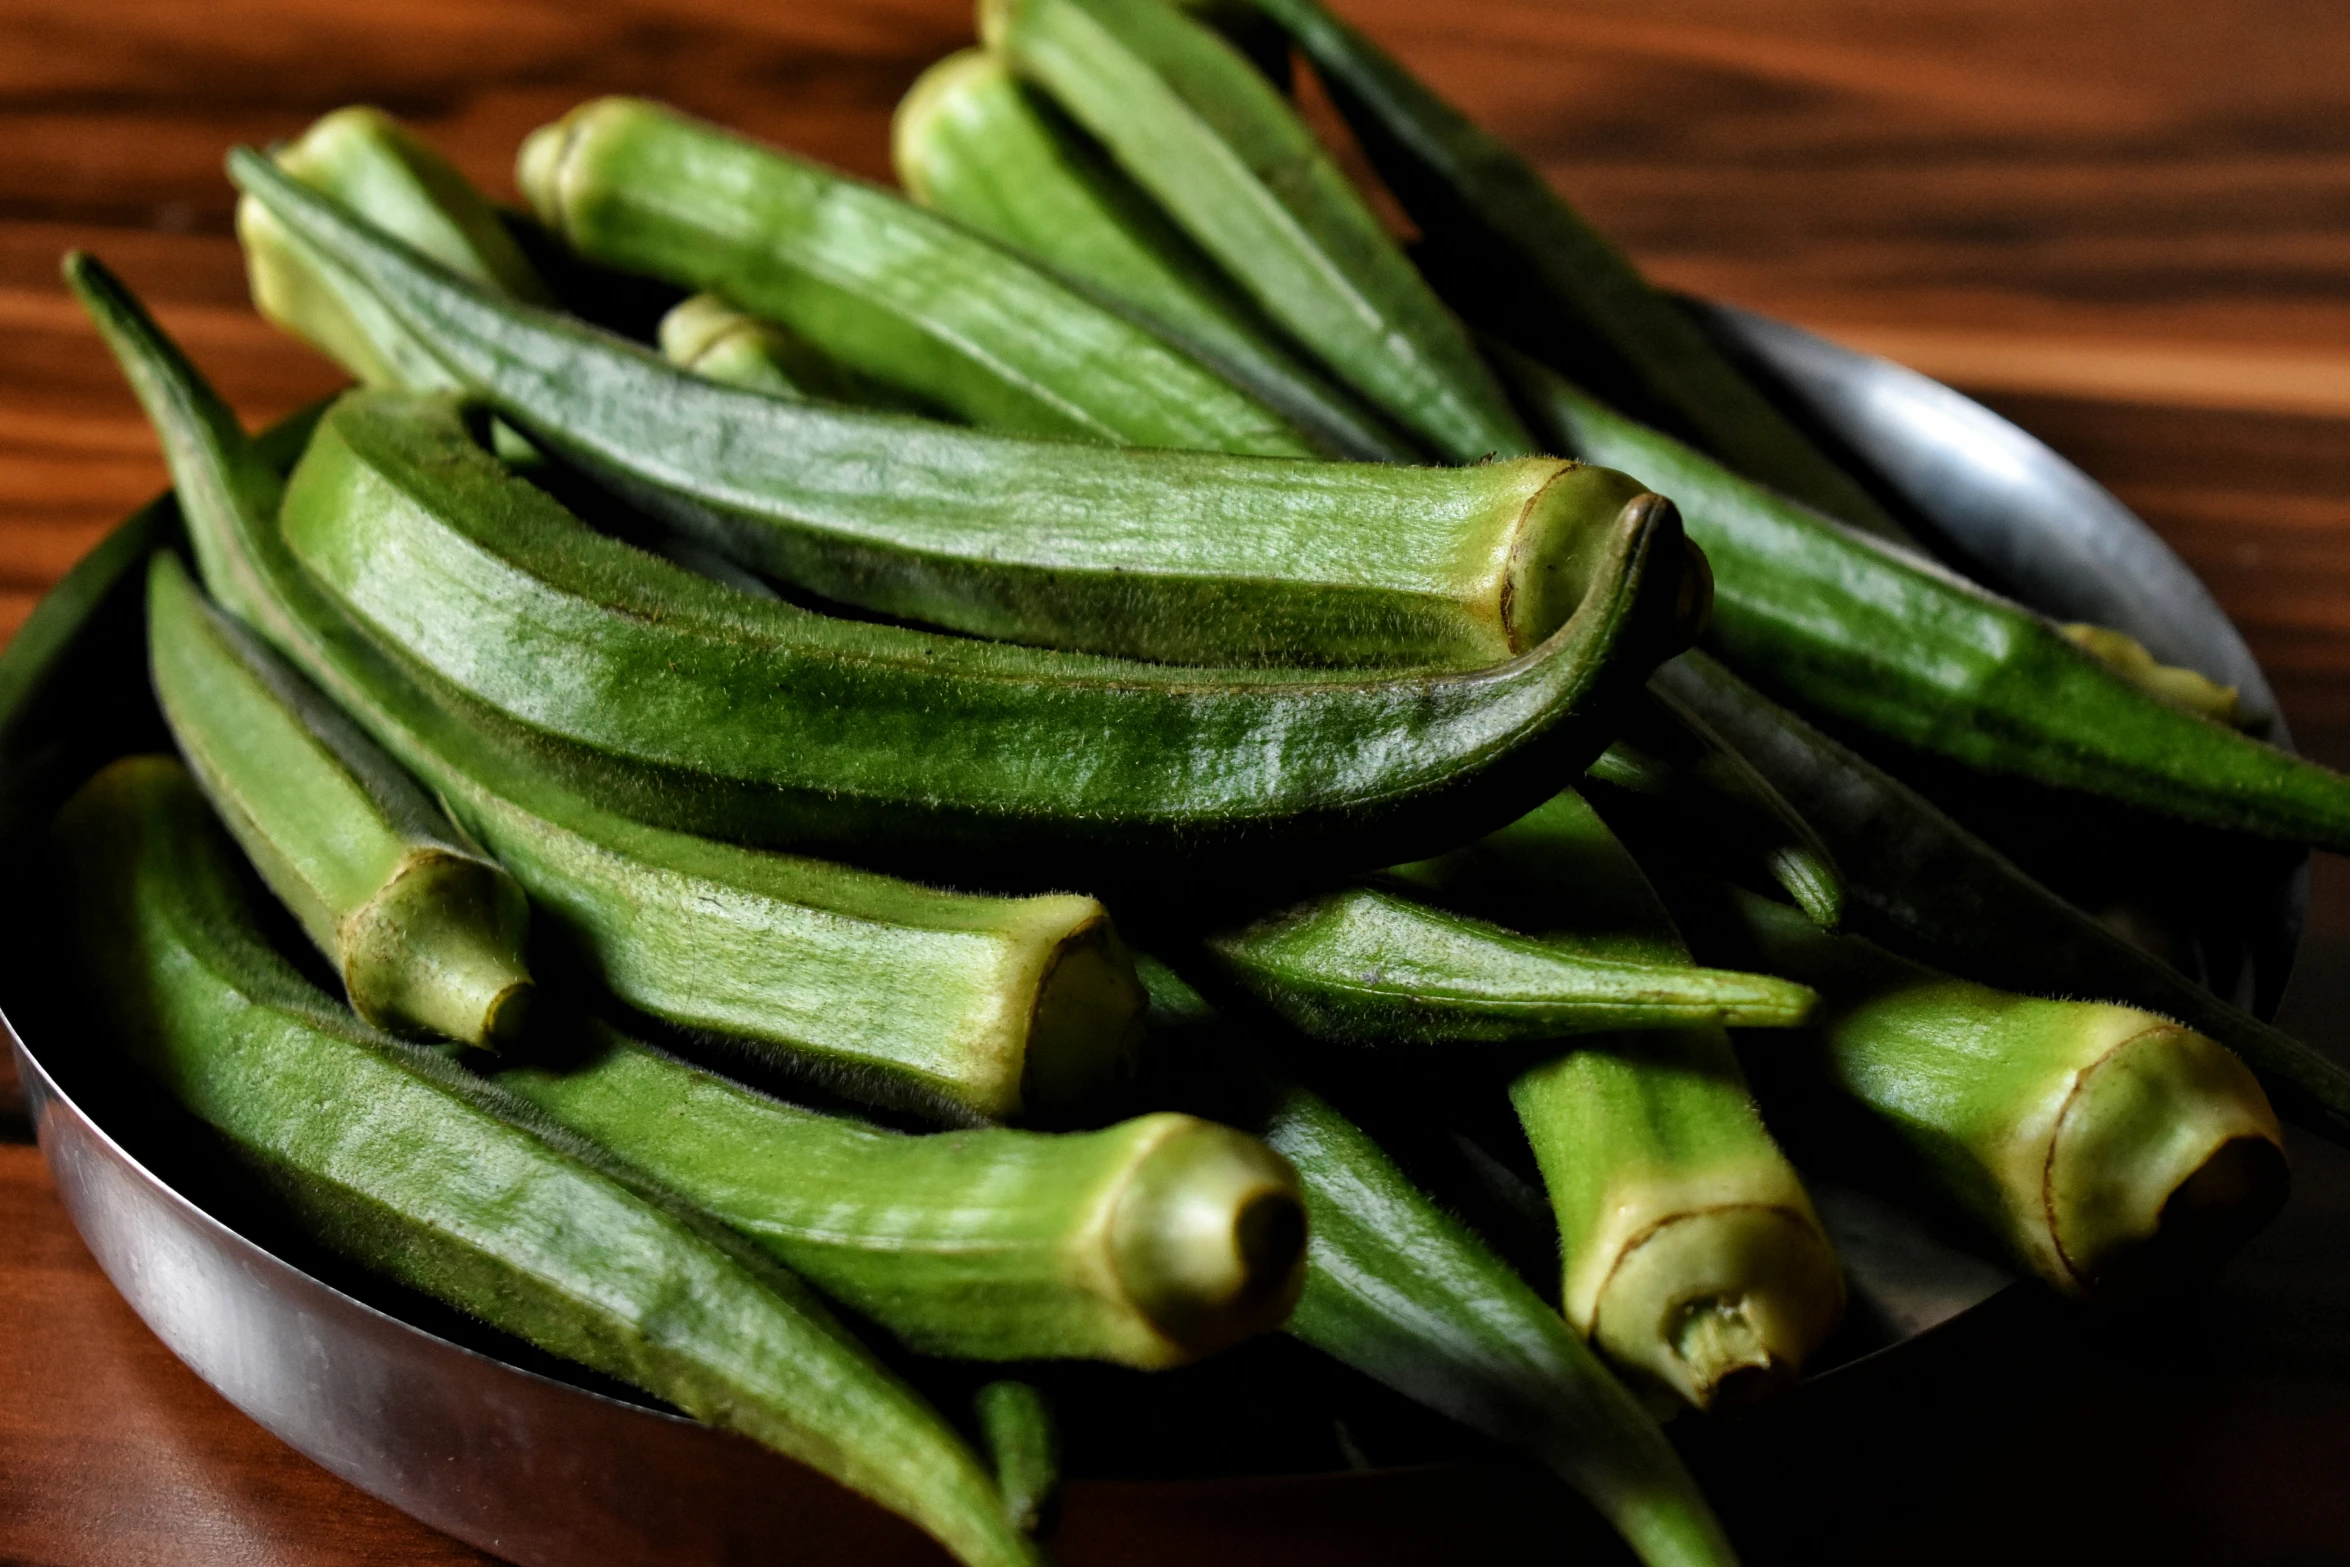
1193 123
660 694
1184 557
893 291
960 1006
1921 882
2112 1152
989 151
1150 1243
1675 773
424 931
1691 1253
1876 636
1515 254
1017 1427
1364 966
710 337
1402 1291
393 1156
365 158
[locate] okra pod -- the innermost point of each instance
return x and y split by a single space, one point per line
402 1161
1921 882
1151 1243
1507 249
958 1006
1183 557
661 694
1402 1291
1363 966
1692 1255
365 158
424 932
990 152
1876 636
2113 1153
1673 771
1017 1427
1194 124
708 336
881 285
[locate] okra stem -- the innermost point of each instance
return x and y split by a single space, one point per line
2112 1152
424 931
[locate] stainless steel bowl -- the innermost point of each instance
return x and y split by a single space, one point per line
543 1472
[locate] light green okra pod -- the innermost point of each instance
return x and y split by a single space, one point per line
881 285
1151 1242
990 152
1402 1291
1188 557
366 158
1363 966
425 932
964 1007
1016 1424
1692 1255
401 1160
1187 116
708 336
2112 1152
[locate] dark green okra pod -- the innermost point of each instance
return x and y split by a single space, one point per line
1016 1424
1192 557
1880 637
1691 1251
1405 1293
424 931
881 285
1150 1243
1193 123
1363 966
990 152
1508 245
1925 884
962 1007
2112 1152
393 1156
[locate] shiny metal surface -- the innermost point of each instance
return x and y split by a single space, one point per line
543 1473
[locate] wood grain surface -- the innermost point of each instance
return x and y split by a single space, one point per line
2127 225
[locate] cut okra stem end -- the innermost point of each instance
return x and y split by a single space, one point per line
1085 1034
1209 1238
436 951
2166 1159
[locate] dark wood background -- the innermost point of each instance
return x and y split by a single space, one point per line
2125 223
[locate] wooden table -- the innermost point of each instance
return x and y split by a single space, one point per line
2124 222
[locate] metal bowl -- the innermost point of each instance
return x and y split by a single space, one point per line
539 1470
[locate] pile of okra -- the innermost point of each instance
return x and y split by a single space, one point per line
1090 761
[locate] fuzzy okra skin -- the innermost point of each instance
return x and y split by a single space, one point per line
1691 1251
881 285
1922 882
710 337
1018 1431
1670 769
958 1006
1506 242
2114 1153
1187 116
1879 637
1150 1243
1363 966
364 157
424 931
664 695
1186 557
989 151
1402 1291
401 1160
